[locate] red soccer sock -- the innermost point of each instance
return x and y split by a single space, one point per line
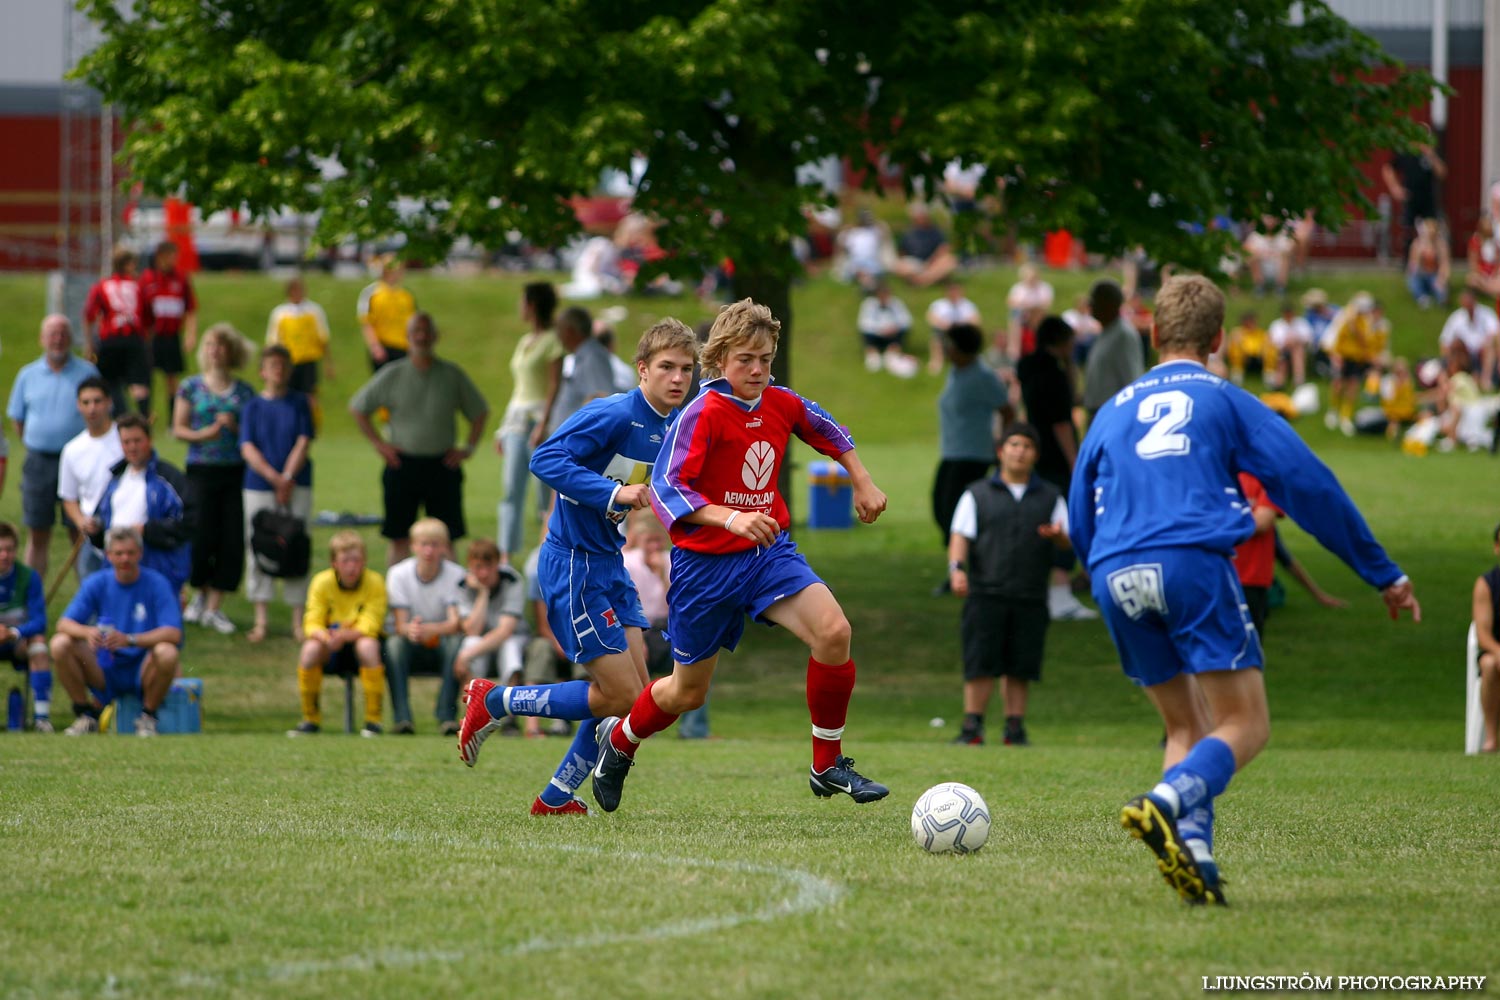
646 718
828 689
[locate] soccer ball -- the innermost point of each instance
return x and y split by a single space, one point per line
950 818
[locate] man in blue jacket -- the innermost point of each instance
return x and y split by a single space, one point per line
151 495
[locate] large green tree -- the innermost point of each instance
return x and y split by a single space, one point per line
1118 119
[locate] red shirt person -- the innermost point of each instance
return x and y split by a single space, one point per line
116 335
169 315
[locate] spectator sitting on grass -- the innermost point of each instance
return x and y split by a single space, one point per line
924 256
1249 349
424 593
345 609
120 635
884 322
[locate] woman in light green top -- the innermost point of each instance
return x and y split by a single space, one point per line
536 367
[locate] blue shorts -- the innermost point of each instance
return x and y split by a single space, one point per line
711 594
590 601
124 677
1175 610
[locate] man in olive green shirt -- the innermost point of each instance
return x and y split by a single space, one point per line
422 393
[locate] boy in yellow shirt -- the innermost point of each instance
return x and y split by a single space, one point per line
301 326
345 613
1249 349
384 310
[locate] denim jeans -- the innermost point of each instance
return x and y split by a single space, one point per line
402 655
694 725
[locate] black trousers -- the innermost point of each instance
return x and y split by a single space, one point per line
219 540
953 477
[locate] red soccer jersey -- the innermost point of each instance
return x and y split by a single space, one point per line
1255 557
723 450
166 298
115 303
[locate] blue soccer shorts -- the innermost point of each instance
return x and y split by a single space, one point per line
590 601
1175 610
124 676
711 594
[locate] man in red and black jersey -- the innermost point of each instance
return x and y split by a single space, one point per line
116 336
169 316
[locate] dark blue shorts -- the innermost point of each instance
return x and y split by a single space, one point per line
124 677
590 601
1172 611
711 594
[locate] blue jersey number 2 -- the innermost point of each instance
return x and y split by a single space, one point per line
1167 413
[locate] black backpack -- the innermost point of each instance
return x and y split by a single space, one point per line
280 543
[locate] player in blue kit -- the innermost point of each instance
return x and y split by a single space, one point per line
599 462
1156 513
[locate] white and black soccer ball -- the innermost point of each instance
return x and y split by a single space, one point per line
950 818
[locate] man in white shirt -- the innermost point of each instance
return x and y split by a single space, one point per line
83 469
883 323
1476 327
1290 334
951 309
425 627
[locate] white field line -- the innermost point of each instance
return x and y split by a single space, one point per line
807 893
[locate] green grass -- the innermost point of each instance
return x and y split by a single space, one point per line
245 864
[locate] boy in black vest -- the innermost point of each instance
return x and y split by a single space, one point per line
1005 530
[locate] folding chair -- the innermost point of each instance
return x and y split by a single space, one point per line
1474 712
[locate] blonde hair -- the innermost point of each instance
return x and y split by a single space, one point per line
345 541
666 335
738 323
429 528
239 348
1189 314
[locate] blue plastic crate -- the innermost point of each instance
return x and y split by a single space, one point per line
830 496
181 712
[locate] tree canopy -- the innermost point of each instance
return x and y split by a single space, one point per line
1120 120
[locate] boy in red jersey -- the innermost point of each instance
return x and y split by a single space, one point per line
116 340
169 315
714 487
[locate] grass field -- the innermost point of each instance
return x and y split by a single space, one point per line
245 864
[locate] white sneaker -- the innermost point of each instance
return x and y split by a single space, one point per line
872 362
1347 427
193 613
145 725
1331 420
43 726
82 726
218 621
1069 609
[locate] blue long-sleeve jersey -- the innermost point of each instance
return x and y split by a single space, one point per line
609 443
1159 468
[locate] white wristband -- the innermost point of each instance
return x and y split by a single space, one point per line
730 520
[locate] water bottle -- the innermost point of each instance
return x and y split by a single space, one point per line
15 711
105 656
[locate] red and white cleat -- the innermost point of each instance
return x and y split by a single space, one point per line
575 805
478 722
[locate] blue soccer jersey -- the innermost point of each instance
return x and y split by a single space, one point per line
608 444
1159 469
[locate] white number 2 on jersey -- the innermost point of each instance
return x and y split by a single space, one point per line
1167 413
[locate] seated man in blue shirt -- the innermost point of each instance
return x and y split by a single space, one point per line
23 622
119 635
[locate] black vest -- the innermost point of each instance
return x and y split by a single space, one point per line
1009 559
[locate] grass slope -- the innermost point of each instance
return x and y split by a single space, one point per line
245 864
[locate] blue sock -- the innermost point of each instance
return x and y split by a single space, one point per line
576 764
1201 777
1198 824
567 700
41 692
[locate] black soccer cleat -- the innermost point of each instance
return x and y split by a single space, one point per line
1148 822
843 779
613 767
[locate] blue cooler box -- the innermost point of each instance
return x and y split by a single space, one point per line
830 496
182 712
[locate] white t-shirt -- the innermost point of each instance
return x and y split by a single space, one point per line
428 600
1475 331
945 312
83 469
966 514
129 504
1023 297
1286 334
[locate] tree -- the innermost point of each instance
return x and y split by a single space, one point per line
1120 120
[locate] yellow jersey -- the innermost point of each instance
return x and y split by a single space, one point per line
387 308
300 327
362 608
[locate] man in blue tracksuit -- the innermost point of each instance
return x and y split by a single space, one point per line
151 495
